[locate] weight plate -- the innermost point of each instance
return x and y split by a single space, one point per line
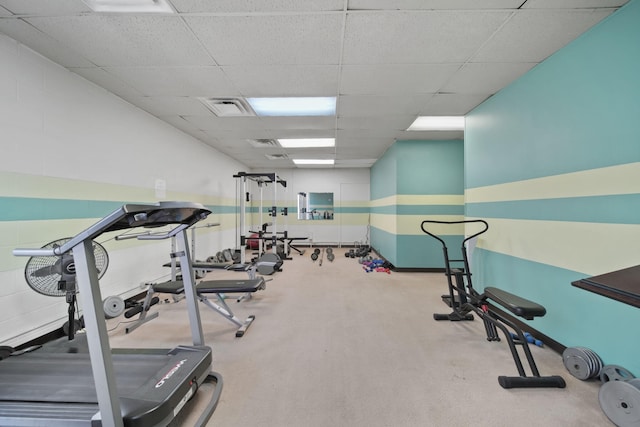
113 306
597 361
620 401
577 366
592 362
615 373
329 250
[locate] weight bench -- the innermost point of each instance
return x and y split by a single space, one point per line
490 306
218 288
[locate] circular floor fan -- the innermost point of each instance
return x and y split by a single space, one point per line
47 275
56 277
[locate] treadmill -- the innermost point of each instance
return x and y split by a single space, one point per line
86 383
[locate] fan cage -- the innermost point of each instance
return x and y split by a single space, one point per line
44 273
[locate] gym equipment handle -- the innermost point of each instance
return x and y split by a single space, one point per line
34 252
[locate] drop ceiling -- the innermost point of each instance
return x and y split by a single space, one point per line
386 61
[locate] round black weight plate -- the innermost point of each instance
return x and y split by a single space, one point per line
620 401
615 373
329 250
316 251
331 256
314 256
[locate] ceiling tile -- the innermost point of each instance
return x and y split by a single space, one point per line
433 4
270 39
252 6
126 40
170 105
571 4
450 104
368 105
42 43
411 37
45 7
532 35
282 80
485 78
177 81
375 122
395 79
212 122
108 81
300 123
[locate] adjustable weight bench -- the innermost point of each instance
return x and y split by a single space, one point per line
490 306
207 287
484 306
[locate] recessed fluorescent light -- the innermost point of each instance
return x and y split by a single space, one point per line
313 161
438 123
130 6
307 142
316 106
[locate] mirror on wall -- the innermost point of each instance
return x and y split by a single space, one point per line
314 206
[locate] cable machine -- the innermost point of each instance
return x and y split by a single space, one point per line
262 179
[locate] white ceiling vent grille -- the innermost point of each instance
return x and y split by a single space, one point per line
263 143
277 156
228 107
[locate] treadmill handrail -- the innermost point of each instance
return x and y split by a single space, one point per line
130 216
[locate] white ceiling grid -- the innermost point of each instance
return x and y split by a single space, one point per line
387 61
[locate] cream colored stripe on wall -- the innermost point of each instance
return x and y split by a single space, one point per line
591 248
384 222
417 199
622 179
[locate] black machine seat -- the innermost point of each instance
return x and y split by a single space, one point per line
515 304
213 286
230 286
207 266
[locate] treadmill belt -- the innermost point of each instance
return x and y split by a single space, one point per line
67 377
58 389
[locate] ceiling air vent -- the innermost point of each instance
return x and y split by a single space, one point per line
263 143
228 107
276 156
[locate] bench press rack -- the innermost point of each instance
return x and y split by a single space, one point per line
489 305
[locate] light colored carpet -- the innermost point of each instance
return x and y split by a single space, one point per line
335 346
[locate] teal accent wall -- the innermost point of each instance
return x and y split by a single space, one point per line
414 181
530 153
429 167
383 175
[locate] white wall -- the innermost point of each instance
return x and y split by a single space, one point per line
350 188
63 138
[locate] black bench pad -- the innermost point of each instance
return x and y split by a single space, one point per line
517 305
230 286
213 286
199 265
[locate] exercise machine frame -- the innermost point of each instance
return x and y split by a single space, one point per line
181 214
464 300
